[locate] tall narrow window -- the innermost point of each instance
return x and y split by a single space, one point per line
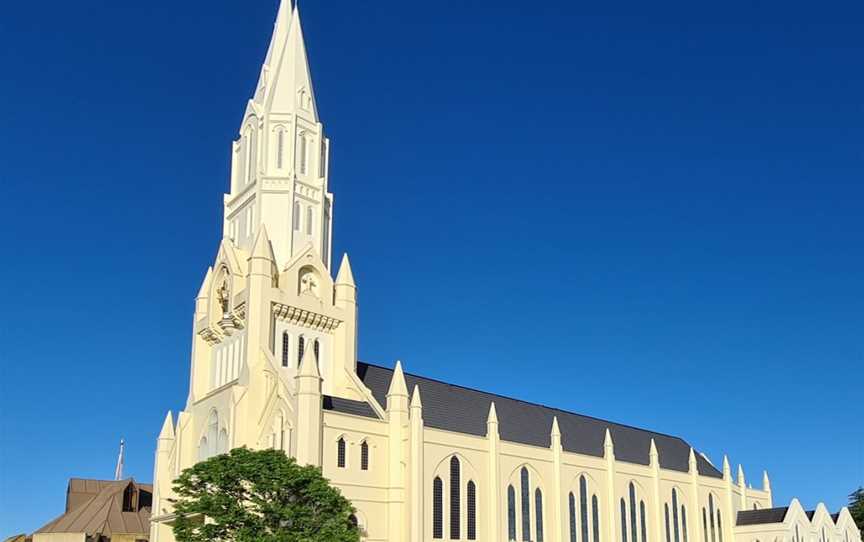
719 527
595 517
253 150
583 507
437 508
297 216
511 513
304 158
711 517
317 350
526 506
301 347
704 525
675 515
572 503
643 520
684 522
309 221
633 533
322 166
538 512
623 521
668 534
364 456
286 344
797 534
340 453
455 508
471 495
280 147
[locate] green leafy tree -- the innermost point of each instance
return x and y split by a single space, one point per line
260 496
856 507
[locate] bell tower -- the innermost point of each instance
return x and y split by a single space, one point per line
279 162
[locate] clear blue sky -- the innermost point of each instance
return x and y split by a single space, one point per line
647 212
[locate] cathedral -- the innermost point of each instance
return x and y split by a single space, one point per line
274 365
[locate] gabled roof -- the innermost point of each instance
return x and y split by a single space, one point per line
463 410
762 517
95 507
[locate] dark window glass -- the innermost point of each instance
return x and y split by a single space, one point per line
583 507
633 533
719 527
711 517
572 517
286 343
668 535
526 506
704 524
317 350
437 508
623 521
340 453
129 499
538 511
511 513
675 516
301 346
455 505
644 521
472 510
364 456
595 514
684 522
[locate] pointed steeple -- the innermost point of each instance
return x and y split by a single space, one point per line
727 470
766 482
167 432
309 365
398 387
416 403
262 248
492 418
693 464
556 431
653 454
345 276
608 445
289 82
741 481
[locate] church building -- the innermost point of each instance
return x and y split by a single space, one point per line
274 365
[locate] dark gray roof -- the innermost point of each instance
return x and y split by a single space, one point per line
810 514
463 410
762 517
835 517
348 406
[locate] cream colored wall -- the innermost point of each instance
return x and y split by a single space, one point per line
59 537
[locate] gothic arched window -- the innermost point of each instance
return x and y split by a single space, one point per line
340 453
364 456
280 147
511 513
471 495
455 505
633 525
286 344
668 534
572 504
642 518
303 154
711 517
317 347
437 508
583 507
538 512
675 525
309 219
526 505
297 211
301 348
595 515
623 521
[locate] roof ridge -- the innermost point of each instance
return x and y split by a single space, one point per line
533 404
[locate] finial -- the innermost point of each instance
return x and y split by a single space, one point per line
727 469
740 476
766 482
556 431
416 403
493 414
397 383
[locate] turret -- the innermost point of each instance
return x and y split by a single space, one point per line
309 410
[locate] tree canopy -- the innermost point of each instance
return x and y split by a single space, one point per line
856 507
260 496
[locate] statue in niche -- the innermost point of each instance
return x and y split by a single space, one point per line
224 294
309 284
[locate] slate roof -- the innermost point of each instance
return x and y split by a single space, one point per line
761 517
463 410
95 507
348 406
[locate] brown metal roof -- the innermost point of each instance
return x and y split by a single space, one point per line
95 507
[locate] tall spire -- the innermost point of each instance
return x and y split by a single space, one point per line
121 459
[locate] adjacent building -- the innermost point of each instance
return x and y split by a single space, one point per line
274 365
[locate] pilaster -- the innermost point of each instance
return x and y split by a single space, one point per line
693 524
397 422
493 505
416 482
310 419
609 454
656 508
557 450
729 493
766 487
